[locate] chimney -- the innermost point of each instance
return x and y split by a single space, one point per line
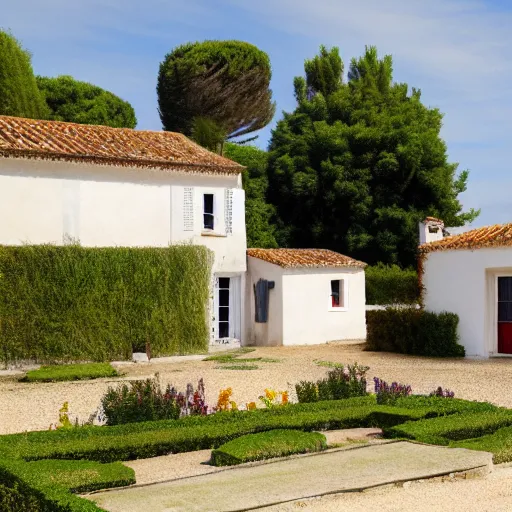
431 229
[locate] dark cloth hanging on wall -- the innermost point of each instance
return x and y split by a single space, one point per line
261 298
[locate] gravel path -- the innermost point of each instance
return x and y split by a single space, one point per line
25 406
493 494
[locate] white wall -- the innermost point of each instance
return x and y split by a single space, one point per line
43 201
307 315
269 333
462 282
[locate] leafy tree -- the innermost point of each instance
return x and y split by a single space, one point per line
258 214
357 165
19 95
80 102
226 82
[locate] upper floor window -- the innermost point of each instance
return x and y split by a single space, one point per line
208 214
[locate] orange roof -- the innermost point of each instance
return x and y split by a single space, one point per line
304 258
434 219
489 236
55 140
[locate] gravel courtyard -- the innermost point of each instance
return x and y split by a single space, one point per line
26 406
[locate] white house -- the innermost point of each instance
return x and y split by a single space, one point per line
470 274
100 186
120 187
303 296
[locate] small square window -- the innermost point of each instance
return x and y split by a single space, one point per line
338 293
208 215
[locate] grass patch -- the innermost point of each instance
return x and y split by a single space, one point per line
328 364
229 355
238 367
56 373
267 445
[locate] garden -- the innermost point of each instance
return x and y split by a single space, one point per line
140 419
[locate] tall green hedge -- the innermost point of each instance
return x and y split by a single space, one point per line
389 284
60 303
413 331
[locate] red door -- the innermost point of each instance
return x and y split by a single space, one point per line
505 315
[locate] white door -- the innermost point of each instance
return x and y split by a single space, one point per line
227 306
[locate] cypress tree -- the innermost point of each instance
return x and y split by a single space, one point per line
19 94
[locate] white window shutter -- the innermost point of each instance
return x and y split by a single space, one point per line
188 209
228 211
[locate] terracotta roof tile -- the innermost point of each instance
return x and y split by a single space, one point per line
489 236
55 140
304 258
434 219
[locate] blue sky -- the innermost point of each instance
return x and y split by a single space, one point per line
456 51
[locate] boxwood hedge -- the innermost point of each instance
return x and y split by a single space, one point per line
266 445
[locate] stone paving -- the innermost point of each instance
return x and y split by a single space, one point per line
250 487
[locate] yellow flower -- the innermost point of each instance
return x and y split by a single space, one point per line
284 397
251 406
270 394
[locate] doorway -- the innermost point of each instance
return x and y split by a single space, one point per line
504 306
227 307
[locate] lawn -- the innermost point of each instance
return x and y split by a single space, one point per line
58 373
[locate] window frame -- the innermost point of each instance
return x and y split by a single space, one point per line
343 294
211 214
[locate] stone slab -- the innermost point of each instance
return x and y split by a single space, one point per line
252 487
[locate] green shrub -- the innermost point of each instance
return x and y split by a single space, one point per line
150 439
387 285
413 331
70 303
266 445
455 427
56 373
340 383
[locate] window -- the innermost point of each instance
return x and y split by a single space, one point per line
224 304
338 299
208 216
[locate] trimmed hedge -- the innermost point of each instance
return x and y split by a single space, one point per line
413 331
57 373
20 492
70 303
456 427
143 440
267 445
391 285
499 444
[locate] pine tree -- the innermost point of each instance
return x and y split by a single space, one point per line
226 82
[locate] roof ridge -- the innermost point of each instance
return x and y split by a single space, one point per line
493 235
61 140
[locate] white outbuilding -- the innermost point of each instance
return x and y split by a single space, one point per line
303 297
470 274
